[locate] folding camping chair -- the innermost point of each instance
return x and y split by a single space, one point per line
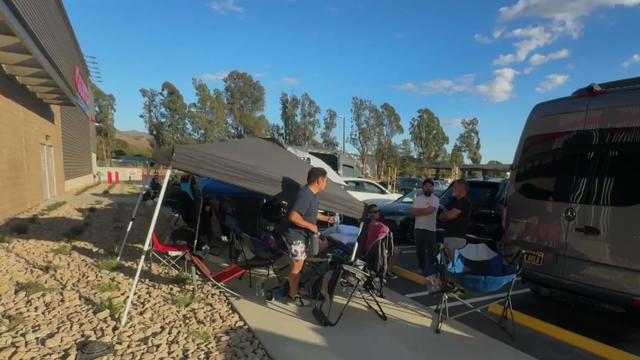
364 278
259 260
477 268
168 254
219 279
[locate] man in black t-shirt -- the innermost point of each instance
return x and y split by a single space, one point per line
302 225
456 218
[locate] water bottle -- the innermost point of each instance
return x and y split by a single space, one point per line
337 223
315 245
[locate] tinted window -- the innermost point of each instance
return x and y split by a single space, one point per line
348 171
372 188
480 193
594 167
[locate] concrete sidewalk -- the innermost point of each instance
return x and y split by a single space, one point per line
290 332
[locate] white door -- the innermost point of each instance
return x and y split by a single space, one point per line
46 194
51 171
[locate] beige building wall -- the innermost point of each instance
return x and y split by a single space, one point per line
25 123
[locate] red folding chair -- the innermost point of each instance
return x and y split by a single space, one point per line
169 254
218 279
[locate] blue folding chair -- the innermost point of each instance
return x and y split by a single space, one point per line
477 268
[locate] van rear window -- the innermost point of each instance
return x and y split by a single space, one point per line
595 167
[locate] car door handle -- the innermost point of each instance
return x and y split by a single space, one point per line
588 230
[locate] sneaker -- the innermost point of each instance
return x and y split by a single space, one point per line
298 300
390 276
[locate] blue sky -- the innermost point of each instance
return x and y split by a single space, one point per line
492 60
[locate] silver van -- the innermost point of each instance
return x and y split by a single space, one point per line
574 194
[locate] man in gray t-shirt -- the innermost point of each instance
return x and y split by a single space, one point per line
302 225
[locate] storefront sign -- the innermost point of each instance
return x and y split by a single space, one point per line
82 92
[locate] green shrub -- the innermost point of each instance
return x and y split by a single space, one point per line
108 286
184 300
182 278
199 335
85 189
98 202
33 219
50 268
114 307
30 287
4 239
108 263
20 228
52 207
62 250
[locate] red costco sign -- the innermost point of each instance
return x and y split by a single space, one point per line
81 90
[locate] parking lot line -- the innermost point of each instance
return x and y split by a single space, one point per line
409 275
417 294
485 298
581 342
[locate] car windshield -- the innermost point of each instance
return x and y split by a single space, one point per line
407 182
409 198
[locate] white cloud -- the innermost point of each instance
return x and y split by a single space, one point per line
539 59
214 77
225 7
635 59
504 59
564 16
551 82
332 8
290 81
454 124
489 39
527 70
500 88
408 86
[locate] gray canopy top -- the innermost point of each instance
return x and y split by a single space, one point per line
259 165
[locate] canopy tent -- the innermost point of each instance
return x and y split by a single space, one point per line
256 164
259 165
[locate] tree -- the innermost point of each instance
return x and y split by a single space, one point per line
277 132
363 132
289 116
174 111
457 158
153 117
428 136
208 115
104 109
469 140
245 103
494 174
406 160
309 121
329 141
388 127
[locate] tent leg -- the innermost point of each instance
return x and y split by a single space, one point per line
133 218
195 241
147 242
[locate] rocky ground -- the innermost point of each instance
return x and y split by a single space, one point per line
59 284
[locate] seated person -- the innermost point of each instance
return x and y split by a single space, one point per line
375 231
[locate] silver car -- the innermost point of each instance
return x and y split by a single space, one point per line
574 194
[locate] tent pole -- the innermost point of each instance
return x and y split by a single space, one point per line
355 247
146 246
133 218
195 241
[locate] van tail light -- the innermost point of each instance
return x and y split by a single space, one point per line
635 302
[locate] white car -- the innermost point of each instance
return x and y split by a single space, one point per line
368 191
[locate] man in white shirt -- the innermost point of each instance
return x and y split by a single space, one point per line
425 208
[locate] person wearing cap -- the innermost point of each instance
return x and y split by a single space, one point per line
425 208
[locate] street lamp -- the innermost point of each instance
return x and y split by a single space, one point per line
343 131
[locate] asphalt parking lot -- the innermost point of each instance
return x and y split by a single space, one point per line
618 329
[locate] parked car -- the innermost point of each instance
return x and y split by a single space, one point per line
487 199
369 191
408 184
574 199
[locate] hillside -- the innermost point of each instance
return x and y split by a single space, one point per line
133 143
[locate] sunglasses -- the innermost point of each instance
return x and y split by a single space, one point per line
374 212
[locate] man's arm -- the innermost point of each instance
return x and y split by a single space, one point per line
423 211
297 219
325 218
450 215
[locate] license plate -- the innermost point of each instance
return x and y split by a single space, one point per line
534 257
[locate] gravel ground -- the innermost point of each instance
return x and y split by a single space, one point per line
58 286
